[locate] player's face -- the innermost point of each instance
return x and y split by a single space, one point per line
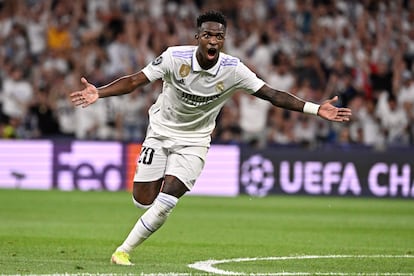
210 36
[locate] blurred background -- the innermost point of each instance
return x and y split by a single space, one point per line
361 51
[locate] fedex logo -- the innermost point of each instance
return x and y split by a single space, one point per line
88 166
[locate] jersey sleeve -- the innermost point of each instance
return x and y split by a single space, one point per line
247 80
159 67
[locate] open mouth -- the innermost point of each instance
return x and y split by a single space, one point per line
211 53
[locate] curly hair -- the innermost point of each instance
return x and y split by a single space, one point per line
211 16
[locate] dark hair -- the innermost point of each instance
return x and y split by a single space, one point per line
211 16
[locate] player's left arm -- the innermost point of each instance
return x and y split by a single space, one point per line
289 101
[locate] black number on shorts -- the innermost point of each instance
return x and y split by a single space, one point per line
146 156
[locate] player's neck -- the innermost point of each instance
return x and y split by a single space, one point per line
204 63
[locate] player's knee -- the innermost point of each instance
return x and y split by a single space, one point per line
140 205
174 186
144 193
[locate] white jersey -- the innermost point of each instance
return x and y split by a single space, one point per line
192 97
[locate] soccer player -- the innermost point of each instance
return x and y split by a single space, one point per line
197 81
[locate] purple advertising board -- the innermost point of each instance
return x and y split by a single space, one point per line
88 165
220 176
334 172
229 170
99 165
26 164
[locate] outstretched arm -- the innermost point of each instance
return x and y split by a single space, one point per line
123 85
288 101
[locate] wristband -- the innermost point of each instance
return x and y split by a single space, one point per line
311 108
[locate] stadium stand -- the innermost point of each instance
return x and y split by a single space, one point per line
361 51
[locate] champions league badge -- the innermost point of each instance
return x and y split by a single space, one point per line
157 61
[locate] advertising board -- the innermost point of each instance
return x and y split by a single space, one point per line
100 165
333 172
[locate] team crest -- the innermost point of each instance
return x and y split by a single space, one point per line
157 61
184 70
220 86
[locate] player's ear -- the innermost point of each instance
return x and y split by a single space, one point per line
196 36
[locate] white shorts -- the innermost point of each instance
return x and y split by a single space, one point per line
162 156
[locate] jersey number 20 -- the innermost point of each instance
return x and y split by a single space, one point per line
146 156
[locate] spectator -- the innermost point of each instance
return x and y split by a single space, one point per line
366 120
310 70
93 120
41 117
111 127
228 130
59 37
395 123
305 132
381 78
134 116
64 111
340 83
280 130
253 119
119 55
406 92
36 25
17 95
406 100
262 54
280 75
313 42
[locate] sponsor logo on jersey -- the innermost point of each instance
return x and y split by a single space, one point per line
197 100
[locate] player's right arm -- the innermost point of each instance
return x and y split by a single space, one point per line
121 86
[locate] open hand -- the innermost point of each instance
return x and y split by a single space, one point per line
85 97
332 113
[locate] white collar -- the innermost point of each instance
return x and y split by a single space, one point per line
197 68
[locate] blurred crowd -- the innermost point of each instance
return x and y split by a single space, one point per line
361 51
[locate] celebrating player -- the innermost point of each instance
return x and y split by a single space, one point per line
197 81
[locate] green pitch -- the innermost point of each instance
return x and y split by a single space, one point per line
76 232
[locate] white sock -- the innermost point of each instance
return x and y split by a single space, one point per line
149 222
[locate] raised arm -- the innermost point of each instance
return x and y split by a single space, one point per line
121 86
288 101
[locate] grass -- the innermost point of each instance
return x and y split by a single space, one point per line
54 232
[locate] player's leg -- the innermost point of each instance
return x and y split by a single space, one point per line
148 180
157 214
181 173
149 175
152 219
182 170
